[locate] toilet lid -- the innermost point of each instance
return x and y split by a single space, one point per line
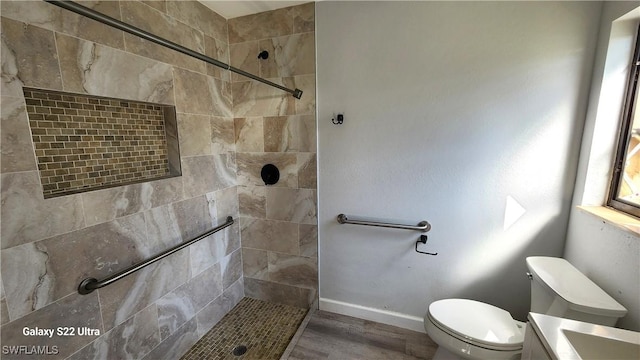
477 322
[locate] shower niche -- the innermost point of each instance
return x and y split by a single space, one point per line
85 142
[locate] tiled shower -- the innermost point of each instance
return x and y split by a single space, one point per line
228 128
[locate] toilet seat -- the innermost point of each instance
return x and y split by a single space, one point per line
477 323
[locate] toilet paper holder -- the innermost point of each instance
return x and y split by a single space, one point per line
423 240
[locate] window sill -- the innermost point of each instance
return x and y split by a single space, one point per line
615 218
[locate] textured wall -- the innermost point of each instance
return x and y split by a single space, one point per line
278 222
451 109
48 246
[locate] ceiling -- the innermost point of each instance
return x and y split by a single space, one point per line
233 9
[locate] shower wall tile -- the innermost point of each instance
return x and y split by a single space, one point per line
51 17
124 298
231 267
201 94
251 98
72 311
108 204
163 228
260 26
26 216
307 171
204 174
249 134
4 311
160 5
250 166
293 270
182 304
132 339
227 203
279 293
306 83
253 201
308 240
218 50
210 315
255 264
294 205
148 49
177 344
39 273
88 67
289 55
290 133
211 250
164 191
270 235
244 56
200 17
195 216
222 135
16 152
304 18
195 134
28 58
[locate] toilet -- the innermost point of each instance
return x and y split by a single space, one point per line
469 329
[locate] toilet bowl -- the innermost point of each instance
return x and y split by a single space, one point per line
471 329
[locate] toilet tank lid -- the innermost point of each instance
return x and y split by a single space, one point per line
579 291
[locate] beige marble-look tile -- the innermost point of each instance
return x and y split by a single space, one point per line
295 205
164 191
200 17
108 204
218 50
177 344
222 135
304 17
26 216
290 133
148 49
211 250
213 312
132 339
255 264
201 94
198 176
231 266
244 56
74 311
227 203
250 166
270 235
95 69
127 296
278 293
251 98
50 17
308 240
29 58
42 272
293 270
194 132
253 201
260 26
163 228
4 311
289 55
16 152
195 216
182 304
160 5
307 171
307 103
249 134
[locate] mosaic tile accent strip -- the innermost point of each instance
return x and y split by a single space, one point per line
265 328
86 142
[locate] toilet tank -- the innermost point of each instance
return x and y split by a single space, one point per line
559 289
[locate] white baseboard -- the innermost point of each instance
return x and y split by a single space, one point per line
382 316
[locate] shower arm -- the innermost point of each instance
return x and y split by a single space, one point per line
115 23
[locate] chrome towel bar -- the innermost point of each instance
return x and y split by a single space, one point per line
423 226
88 285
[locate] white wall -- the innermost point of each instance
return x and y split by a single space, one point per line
609 255
450 108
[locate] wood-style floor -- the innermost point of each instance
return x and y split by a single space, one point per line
332 336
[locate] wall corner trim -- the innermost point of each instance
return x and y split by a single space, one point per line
378 315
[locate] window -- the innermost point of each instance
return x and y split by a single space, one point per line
625 185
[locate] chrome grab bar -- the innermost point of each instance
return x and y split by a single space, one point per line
423 226
88 285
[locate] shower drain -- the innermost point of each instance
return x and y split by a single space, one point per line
239 350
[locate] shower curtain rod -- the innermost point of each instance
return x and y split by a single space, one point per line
107 20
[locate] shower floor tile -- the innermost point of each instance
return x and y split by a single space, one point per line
264 328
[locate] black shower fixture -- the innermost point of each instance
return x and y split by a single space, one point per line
264 54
